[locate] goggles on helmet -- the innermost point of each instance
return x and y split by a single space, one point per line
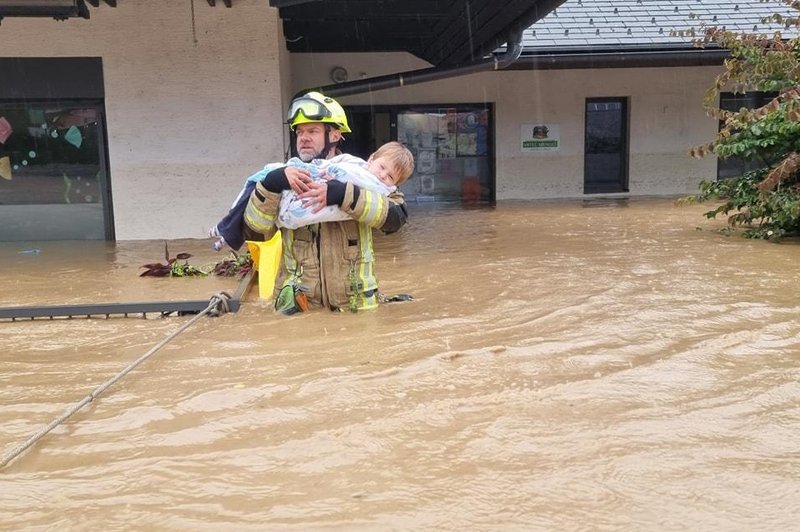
311 109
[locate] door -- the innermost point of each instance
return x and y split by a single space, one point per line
371 128
606 146
452 147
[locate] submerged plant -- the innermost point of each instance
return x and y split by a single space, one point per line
178 266
172 267
236 264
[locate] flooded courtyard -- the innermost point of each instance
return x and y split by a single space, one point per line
564 366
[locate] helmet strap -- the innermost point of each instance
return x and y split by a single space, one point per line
328 144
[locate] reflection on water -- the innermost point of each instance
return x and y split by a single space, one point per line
564 366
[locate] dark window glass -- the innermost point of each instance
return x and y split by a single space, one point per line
451 147
733 167
606 151
52 171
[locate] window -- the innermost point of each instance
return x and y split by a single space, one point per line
732 167
53 184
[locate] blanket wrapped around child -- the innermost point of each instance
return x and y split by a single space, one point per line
345 168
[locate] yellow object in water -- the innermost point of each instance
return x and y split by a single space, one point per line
266 258
5 168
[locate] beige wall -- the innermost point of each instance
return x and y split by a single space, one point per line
194 106
192 109
666 118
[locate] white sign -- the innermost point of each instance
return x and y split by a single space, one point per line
540 137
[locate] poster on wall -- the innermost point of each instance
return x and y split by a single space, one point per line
542 137
467 140
426 161
448 134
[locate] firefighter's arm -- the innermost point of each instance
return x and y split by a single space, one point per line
262 207
387 213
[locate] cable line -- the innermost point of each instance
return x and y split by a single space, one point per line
217 306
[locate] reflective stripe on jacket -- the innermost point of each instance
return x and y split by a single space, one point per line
332 262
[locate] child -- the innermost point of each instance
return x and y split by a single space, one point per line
389 166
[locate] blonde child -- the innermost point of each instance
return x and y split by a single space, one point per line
387 168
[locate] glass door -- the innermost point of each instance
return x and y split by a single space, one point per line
606 148
53 178
452 151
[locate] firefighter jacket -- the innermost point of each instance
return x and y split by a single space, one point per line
332 263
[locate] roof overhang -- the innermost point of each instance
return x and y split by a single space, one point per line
442 32
445 33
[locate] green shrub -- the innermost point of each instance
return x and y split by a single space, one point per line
765 203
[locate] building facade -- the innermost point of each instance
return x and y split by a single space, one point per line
192 101
138 124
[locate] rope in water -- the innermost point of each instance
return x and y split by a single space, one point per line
217 306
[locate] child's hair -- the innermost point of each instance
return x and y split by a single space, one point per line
400 155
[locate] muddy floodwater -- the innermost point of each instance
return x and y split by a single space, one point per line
565 366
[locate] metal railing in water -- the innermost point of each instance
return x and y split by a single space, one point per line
96 310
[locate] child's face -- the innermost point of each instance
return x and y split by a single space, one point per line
383 169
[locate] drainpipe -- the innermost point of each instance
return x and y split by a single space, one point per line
623 59
411 77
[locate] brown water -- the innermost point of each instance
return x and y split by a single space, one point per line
565 366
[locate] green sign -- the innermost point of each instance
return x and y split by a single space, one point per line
534 144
